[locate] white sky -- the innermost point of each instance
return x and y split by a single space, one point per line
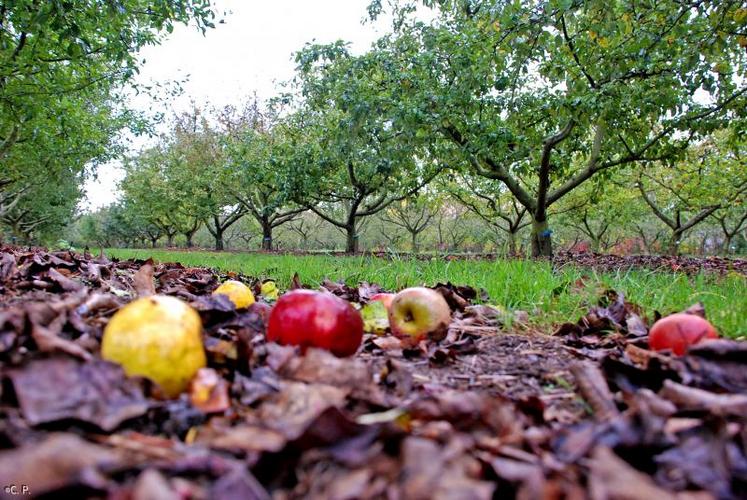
249 52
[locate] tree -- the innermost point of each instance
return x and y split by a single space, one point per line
204 163
492 203
682 196
63 71
351 157
732 221
413 215
543 96
258 153
602 210
306 226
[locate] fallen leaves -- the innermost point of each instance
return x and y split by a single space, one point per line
60 388
484 413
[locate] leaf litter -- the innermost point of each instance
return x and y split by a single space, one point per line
493 410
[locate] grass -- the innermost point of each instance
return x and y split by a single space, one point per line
549 297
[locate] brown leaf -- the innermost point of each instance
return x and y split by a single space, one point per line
611 478
7 266
690 398
238 484
59 461
297 405
593 387
247 438
208 392
65 283
430 471
152 485
60 388
142 280
46 326
697 309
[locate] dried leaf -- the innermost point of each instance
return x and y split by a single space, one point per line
59 461
142 280
49 390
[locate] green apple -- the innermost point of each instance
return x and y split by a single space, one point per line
419 313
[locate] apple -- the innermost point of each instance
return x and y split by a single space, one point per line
677 332
384 298
316 319
418 313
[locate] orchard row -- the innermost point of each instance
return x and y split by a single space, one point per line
612 122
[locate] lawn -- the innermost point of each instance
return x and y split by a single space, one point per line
549 297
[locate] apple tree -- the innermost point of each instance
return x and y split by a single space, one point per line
543 96
64 68
347 153
258 151
711 177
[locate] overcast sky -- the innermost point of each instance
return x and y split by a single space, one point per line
249 53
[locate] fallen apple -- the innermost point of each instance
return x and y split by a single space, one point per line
677 332
315 319
237 292
384 298
418 313
158 337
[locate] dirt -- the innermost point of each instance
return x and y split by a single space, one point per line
489 411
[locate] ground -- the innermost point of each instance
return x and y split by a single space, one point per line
504 406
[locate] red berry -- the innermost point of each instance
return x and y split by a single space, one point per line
679 331
315 319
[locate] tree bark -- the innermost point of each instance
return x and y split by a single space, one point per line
512 244
189 236
351 244
267 236
218 236
541 238
674 243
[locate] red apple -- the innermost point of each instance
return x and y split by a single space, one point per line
384 298
419 313
315 319
677 332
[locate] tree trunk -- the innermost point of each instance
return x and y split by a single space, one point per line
351 244
726 247
189 235
541 238
267 237
674 244
414 240
511 244
153 241
218 240
170 240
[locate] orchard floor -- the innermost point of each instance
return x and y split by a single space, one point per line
550 294
497 409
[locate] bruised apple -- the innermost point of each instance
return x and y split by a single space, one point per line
677 332
315 319
384 298
418 313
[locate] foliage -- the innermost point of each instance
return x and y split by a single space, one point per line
64 68
259 153
543 96
350 156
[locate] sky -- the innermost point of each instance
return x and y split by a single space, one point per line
250 52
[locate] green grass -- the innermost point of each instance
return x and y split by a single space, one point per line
549 297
